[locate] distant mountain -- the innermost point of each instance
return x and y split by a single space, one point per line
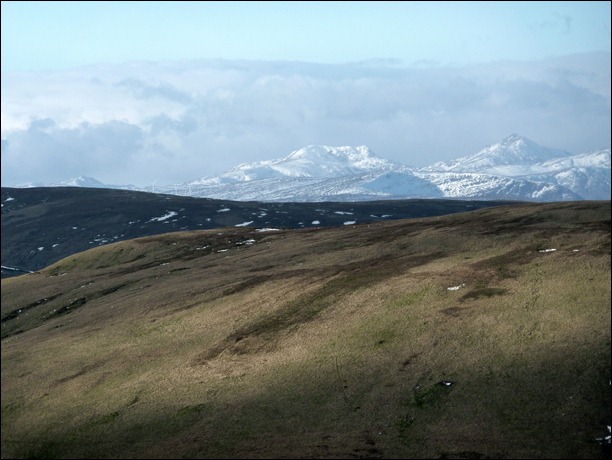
515 168
314 161
522 167
84 181
81 181
514 150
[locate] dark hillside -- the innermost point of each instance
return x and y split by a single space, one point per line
43 225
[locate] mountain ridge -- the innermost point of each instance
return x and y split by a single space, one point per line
512 150
515 168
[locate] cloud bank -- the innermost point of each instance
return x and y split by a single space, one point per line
175 121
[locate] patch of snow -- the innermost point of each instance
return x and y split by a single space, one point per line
342 213
315 222
244 224
259 230
350 222
606 439
455 288
10 198
547 250
224 210
164 217
4 267
41 248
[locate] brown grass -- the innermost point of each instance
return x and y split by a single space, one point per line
326 343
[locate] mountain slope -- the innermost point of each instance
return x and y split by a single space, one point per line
486 186
587 174
477 335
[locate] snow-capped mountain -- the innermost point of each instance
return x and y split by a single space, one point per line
317 173
515 168
314 161
519 168
81 181
501 158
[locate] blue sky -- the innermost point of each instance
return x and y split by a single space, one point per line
136 92
51 35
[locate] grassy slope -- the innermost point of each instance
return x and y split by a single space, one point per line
320 343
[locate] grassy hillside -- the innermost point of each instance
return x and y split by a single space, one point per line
477 335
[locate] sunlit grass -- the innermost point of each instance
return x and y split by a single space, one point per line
360 350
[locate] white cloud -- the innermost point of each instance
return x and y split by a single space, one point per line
177 121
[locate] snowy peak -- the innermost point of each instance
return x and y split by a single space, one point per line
511 151
515 149
82 181
354 158
326 161
313 161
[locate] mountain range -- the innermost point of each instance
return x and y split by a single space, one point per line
515 168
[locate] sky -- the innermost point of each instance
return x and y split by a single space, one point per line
137 92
